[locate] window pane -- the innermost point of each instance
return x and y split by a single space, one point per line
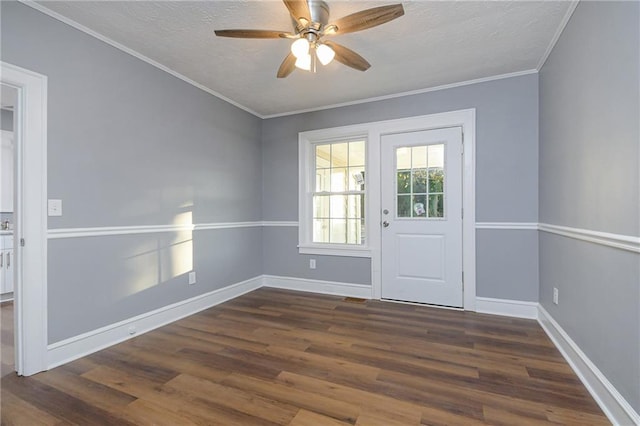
404 205
436 205
338 231
404 182
338 206
356 179
321 206
323 156
354 231
403 158
419 206
436 156
323 180
321 230
356 153
419 157
338 180
339 154
355 207
436 180
419 181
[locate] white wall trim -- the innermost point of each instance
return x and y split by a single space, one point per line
619 241
150 229
84 344
279 223
97 35
30 273
505 307
612 403
409 93
565 20
508 225
318 286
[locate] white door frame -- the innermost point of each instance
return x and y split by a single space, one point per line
461 118
30 217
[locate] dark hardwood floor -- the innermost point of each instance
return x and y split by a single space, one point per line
7 352
276 357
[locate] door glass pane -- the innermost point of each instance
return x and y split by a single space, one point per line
419 157
436 180
404 205
436 205
404 182
419 207
436 156
403 158
419 181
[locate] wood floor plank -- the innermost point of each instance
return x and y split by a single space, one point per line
277 357
309 418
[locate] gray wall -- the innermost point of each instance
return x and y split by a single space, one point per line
589 162
506 177
6 120
130 145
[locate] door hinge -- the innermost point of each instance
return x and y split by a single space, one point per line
21 242
462 212
462 277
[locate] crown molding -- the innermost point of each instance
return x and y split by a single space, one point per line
559 31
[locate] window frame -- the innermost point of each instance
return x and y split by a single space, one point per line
306 191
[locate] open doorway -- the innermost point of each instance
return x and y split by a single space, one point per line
8 102
27 220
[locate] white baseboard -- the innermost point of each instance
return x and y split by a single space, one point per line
612 403
318 286
505 307
84 344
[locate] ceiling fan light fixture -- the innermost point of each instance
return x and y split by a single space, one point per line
300 48
304 62
325 54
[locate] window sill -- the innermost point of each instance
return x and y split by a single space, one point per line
325 250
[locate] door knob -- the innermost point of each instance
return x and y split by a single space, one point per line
385 224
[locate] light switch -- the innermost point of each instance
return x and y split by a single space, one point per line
55 207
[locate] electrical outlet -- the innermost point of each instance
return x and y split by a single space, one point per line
555 295
312 264
192 277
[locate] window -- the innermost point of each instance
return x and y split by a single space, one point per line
332 209
420 181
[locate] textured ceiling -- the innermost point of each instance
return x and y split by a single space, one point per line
436 43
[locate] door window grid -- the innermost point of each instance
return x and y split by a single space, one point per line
420 181
338 199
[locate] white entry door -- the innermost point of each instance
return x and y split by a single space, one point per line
422 216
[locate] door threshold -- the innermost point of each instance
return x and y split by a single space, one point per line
430 305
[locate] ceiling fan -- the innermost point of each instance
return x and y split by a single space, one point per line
311 22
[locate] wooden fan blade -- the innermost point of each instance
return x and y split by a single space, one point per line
299 10
348 57
287 66
368 18
251 33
